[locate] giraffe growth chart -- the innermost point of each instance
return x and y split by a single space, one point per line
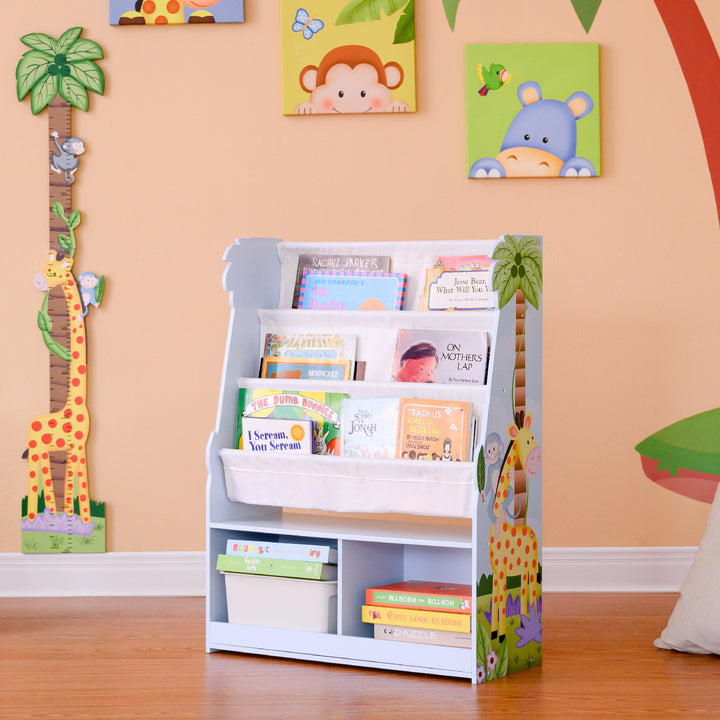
58 514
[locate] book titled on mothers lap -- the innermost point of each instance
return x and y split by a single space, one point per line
331 290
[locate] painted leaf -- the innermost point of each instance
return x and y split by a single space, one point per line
74 92
68 38
32 66
88 74
43 93
481 469
58 210
44 321
392 6
504 282
359 11
484 646
451 8
84 50
100 289
40 41
502 665
530 291
405 29
586 11
73 219
64 242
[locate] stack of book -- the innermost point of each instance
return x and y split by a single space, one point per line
420 611
279 559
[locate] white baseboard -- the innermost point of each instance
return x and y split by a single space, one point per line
611 569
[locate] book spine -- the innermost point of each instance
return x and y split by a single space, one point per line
282 551
436 603
267 566
427 619
421 635
402 287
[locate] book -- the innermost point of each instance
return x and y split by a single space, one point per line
434 429
369 427
458 283
423 635
279 568
321 407
312 551
277 435
344 263
330 290
423 595
406 617
441 356
327 346
305 369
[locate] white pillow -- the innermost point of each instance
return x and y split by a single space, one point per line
694 625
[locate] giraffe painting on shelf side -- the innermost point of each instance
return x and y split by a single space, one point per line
513 549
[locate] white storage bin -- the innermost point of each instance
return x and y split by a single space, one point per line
280 602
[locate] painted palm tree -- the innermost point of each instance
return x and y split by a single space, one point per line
518 273
57 75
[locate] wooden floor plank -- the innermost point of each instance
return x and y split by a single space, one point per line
115 658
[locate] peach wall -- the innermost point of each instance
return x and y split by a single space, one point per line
188 150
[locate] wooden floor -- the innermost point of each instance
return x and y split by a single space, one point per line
108 658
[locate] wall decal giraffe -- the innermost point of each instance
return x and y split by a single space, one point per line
513 549
67 429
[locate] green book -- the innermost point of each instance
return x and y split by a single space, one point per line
280 568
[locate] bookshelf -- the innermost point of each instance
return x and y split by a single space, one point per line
392 520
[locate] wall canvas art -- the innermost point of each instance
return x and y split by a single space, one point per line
176 12
533 110
341 56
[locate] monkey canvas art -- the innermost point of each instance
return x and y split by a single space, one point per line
336 66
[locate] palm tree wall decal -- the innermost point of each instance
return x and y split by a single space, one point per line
517 273
57 74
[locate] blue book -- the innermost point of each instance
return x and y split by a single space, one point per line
335 290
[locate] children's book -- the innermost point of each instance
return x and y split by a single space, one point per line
434 429
458 283
331 290
277 435
422 635
341 263
279 568
311 551
405 617
423 595
441 356
321 407
369 427
323 346
306 369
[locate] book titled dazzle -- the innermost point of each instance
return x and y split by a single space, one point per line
323 408
276 435
311 551
447 638
369 427
458 283
330 290
423 595
341 263
440 356
434 429
405 617
280 568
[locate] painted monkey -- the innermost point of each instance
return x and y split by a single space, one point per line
351 79
66 162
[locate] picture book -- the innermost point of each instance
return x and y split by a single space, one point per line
324 346
306 369
440 356
321 407
311 551
334 290
280 568
277 435
434 429
369 427
346 56
458 283
406 617
447 638
342 263
423 595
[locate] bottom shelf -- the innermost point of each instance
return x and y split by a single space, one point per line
341 649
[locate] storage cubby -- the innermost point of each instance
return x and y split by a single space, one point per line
392 520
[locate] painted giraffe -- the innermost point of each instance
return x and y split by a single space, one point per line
513 549
167 12
67 429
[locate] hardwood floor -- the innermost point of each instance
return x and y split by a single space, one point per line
113 658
